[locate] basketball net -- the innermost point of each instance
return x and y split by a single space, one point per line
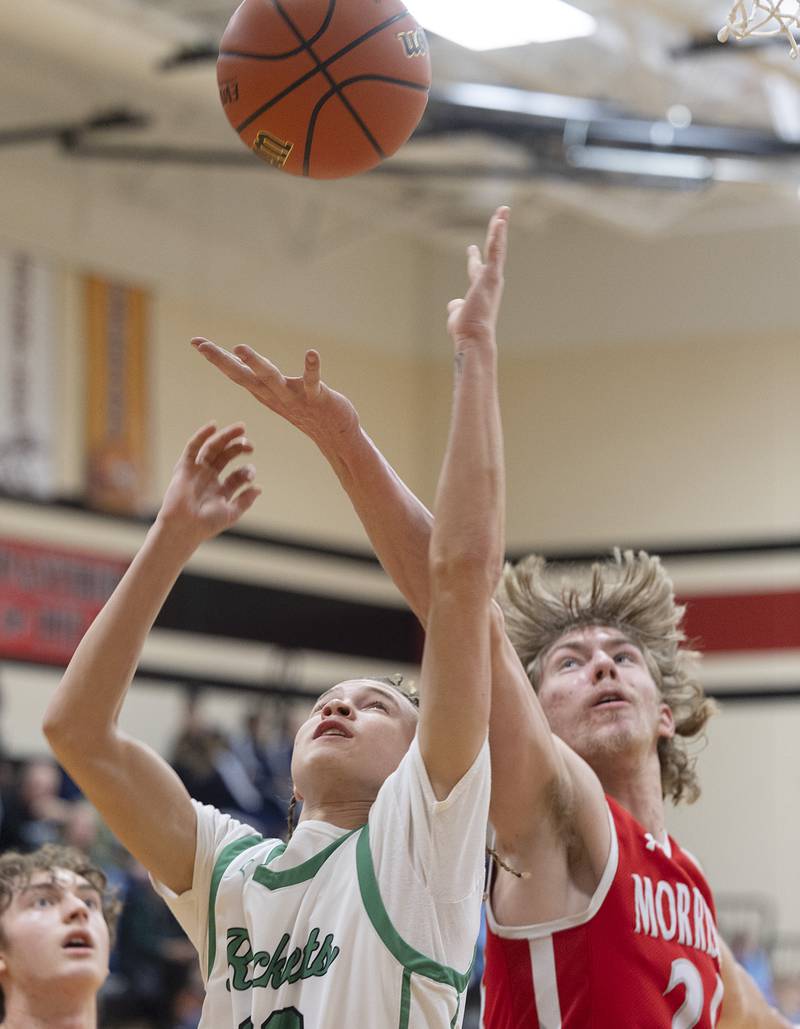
764 18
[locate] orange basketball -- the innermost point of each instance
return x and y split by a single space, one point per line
324 88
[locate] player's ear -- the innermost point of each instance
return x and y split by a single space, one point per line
666 722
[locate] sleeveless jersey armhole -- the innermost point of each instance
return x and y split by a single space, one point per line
542 929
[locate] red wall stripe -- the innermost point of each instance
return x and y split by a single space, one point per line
753 621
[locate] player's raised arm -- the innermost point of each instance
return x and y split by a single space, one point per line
467 542
399 527
134 789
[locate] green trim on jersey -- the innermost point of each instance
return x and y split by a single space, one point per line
413 961
405 998
300 873
227 854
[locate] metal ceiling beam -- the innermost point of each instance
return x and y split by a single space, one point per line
528 118
563 136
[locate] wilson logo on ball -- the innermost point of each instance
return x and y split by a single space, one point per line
229 92
274 151
414 43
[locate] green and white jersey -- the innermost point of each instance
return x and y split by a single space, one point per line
369 929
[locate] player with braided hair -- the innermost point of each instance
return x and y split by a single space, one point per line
369 915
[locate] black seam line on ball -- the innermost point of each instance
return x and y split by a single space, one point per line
335 86
314 71
332 92
288 53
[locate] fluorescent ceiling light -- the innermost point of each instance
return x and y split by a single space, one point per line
640 162
492 24
484 97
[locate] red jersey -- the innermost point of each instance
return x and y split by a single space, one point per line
645 955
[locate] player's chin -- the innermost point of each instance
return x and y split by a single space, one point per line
614 734
89 969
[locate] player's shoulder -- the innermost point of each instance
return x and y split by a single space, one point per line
639 842
220 833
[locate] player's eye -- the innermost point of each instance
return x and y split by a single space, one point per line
568 662
379 704
42 900
92 902
623 655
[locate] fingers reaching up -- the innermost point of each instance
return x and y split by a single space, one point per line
311 376
475 315
222 447
201 501
196 441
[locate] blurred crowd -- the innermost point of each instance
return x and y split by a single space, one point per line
775 970
155 979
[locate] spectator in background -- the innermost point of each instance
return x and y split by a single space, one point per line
251 749
56 922
85 831
153 958
189 1001
285 722
212 774
33 811
216 772
752 956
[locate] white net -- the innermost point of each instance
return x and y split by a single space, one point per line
763 18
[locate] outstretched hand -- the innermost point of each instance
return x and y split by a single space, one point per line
201 501
474 317
303 400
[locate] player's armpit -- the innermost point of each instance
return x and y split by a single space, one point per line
743 1004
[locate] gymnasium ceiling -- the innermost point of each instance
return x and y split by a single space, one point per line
649 64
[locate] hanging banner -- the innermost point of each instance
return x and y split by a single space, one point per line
49 597
27 359
116 337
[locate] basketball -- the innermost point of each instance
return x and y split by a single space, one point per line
323 88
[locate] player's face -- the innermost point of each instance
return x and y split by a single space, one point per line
353 739
56 940
599 695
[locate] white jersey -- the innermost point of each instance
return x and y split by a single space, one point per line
369 929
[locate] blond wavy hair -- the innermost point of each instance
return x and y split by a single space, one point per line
632 593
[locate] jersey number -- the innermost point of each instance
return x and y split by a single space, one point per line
286 1018
684 973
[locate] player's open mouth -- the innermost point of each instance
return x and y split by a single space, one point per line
330 727
78 940
610 700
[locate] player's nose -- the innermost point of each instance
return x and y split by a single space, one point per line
75 909
604 667
338 708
